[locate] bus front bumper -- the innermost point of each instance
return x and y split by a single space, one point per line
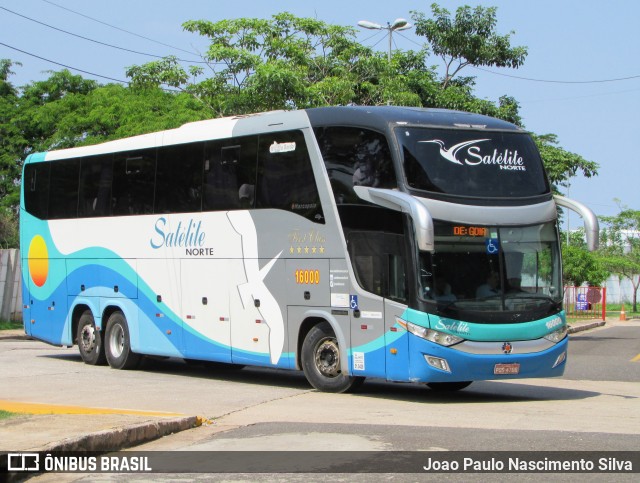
435 363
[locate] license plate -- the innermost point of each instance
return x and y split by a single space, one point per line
506 369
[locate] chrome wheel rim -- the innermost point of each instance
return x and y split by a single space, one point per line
116 340
88 338
327 357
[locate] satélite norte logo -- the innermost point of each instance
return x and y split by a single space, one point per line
468 153
189 236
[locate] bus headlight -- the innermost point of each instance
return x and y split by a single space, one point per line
557 335
439 338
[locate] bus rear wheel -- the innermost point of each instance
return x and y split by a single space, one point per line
89 340
321 361
118 344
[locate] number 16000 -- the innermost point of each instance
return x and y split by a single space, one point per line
307 276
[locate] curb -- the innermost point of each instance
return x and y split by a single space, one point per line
117 439
583 327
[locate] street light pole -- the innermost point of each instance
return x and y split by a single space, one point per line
398 24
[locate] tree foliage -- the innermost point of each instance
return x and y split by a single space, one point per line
561 164
254 65
579 265
67 110
620 250
12 144
468 39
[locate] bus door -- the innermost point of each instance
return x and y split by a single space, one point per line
379 263
396 342
205 308
367 335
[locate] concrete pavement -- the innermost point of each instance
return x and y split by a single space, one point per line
50 427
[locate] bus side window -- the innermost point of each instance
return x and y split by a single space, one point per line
63 189
96 173
285 176
179 178
133 182
355 157
36 189
230 174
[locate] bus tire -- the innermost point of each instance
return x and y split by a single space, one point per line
117 343
89 340
448 386
320 359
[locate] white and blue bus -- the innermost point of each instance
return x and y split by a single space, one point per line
407 244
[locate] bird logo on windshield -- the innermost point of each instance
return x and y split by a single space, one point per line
451 154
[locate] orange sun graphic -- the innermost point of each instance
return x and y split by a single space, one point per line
38 261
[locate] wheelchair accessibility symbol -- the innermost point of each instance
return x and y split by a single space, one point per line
353 302
492 246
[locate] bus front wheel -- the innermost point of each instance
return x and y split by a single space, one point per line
89 340
118 344
321 361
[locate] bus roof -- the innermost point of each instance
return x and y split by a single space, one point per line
380 117
373 117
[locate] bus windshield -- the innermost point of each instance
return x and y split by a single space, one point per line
472 163
482 269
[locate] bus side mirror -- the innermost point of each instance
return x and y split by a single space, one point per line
591 225
405 203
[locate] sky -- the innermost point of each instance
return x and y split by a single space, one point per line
580 80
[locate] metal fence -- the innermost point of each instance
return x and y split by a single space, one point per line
585 302
10 285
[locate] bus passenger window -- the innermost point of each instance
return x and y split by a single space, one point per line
230 174
179 178
63 189
285 176
133 182
36 189
355 157
96 173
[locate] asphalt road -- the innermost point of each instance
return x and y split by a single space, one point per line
594 407
610 354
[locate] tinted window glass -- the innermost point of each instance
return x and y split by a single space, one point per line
133 182
96 173
472 163
285 176
36 189
63 189
355 157
179 178
379 263
230 174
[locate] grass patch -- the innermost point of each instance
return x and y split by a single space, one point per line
6 414
4 325
613 310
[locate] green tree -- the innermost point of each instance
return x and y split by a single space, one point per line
468 39
66 110
12 145
285 62
105 113
288 62
621 247
253 65
579 265
561 164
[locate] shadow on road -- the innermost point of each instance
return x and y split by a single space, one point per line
478 392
